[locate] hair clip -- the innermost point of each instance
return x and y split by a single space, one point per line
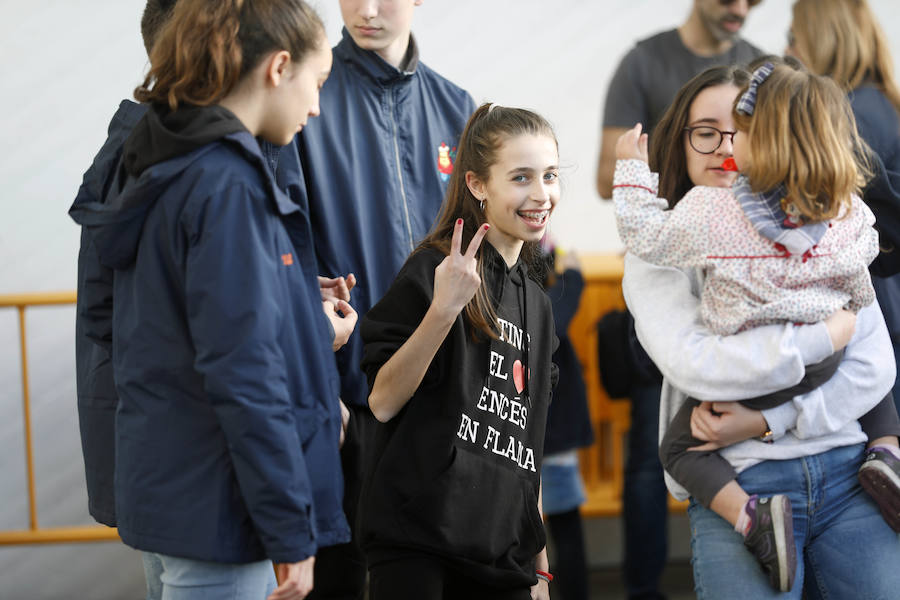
747 103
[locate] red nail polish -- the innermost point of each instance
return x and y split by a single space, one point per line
459 221
486 226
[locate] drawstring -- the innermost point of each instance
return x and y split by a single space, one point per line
524 304
502 276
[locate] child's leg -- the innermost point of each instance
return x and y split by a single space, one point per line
885 440
703 474
880 472
765 523
881 424
729 503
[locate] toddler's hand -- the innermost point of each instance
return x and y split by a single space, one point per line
632 144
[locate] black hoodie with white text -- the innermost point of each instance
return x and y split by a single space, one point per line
456 473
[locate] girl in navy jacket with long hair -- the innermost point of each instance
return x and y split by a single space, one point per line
228 422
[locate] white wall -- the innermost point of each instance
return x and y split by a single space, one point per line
65 65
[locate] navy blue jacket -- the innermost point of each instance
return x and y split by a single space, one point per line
372 175
97 397
228 422
569 421
879 126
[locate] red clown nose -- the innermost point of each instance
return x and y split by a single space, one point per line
729 164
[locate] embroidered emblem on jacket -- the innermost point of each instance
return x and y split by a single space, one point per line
445 161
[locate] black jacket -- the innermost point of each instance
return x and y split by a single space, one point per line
97 398
569 422
456 473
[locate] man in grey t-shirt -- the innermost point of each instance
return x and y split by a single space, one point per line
655 69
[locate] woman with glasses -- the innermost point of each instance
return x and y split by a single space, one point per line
807 449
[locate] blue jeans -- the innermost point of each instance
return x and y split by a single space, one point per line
645 499
188 579
152 572
845 549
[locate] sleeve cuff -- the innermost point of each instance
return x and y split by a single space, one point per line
635 172
813 342
781 419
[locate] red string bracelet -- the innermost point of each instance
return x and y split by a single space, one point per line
544 575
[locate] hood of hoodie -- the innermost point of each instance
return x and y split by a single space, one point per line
161 145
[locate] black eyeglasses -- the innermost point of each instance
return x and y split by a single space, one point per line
706 139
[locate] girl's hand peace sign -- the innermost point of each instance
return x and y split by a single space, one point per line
456 279
455 282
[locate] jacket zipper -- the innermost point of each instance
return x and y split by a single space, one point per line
409 233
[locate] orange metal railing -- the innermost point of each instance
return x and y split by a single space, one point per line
35 534
602 464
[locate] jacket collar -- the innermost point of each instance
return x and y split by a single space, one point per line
250 146
373 65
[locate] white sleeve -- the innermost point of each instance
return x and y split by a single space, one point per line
646 226
758 361
863 379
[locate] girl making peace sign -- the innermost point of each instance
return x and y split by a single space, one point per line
457 355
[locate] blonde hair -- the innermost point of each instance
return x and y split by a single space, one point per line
841 39
802 134
206 46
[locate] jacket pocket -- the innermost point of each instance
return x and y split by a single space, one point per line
309 420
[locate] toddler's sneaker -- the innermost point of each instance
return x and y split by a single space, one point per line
880 477
771 538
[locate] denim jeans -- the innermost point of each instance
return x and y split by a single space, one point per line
152 572
188 579
845 549
645 499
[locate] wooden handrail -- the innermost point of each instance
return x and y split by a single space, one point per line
37 299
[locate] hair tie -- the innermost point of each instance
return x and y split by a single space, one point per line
747 103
